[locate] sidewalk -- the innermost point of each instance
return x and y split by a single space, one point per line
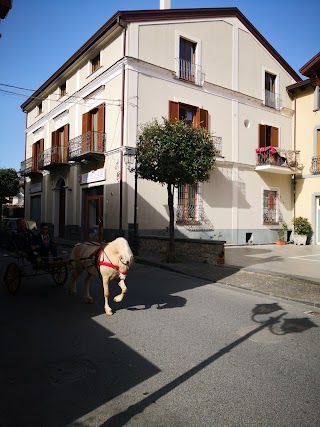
291 272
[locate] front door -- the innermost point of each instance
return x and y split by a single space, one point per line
93 217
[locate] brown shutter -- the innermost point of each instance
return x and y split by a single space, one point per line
201 118
274 137
34 157
65 143
85 129
262 136
173 111
54 145
101 125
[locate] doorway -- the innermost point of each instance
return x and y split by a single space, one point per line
93 215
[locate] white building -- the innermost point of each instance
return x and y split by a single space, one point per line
208 66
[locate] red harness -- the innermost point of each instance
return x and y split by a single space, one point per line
109 264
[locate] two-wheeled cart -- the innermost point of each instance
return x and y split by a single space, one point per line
21 267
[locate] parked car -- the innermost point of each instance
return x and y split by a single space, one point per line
8 228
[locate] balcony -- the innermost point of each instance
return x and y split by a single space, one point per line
217 142
315 165
29 167
88 146
53 157
277 160
190 72
272 100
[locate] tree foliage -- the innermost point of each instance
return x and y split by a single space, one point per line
9 183
174 153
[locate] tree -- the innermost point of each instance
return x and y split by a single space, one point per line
174 153
9 184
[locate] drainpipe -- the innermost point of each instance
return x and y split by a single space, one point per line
122 125
294 147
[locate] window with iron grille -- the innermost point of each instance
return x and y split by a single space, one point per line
187 210
270 208
187 68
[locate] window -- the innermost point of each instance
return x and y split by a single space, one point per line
195 116
93 129
40 108
63 89
37 150
268 136
270 210
187 68
187 203
272 99
95 63
60 140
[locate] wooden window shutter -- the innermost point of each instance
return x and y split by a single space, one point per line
262 136
65 143
85 128
41 145
34 157
101 127
274 137
54 144
85 122
173 111
201 118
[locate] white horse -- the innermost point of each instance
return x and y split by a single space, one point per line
111 261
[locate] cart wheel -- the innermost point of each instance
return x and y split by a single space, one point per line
60 274
12 278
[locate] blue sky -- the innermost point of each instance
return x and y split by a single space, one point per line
39 36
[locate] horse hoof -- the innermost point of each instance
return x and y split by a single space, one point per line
109 312
118 298
88 300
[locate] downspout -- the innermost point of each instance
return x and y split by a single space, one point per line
294 147
122 125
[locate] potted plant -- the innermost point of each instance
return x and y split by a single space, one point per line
282 232
301 228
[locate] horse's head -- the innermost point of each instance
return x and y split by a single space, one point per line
124 265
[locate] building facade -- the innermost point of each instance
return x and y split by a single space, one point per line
209 67
306 96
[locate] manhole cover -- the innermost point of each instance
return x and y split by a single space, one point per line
68 371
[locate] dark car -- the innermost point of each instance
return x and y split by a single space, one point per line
8 229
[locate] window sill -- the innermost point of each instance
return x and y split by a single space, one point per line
94 72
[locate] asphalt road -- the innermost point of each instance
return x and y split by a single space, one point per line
178 351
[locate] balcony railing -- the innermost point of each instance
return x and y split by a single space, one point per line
89 143
53 156
315 165
29 166
190 72
275 156
217 141
272 100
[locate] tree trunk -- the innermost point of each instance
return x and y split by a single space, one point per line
172 248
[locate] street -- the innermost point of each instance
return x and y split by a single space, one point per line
179 351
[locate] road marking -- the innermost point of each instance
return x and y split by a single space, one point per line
306 257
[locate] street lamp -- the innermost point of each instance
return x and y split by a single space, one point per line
130 160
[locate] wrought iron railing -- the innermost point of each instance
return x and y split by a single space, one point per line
53 155
278 157
89 142
315 165
217 141
272 100
190 72
28 166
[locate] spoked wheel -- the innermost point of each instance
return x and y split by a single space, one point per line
60 274
12 278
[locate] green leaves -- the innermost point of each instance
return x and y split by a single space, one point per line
174 153
9 183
